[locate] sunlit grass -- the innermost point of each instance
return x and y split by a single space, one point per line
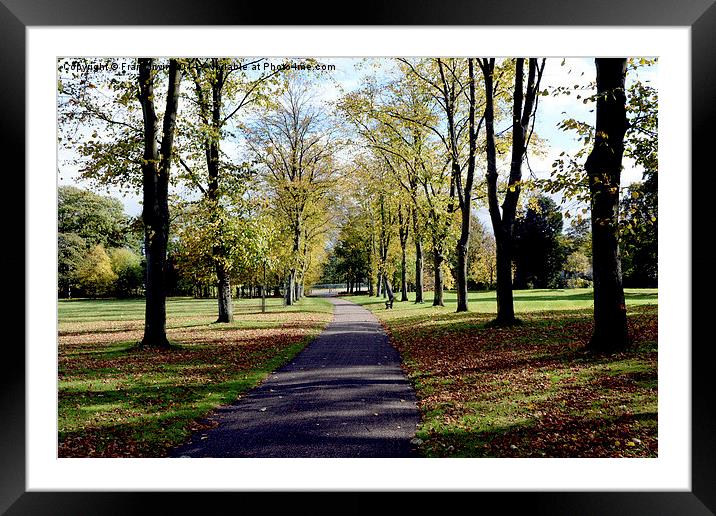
529 390
117 400
524 300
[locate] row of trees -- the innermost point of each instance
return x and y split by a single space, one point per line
99 248
426 132
263 174
544 256
235 163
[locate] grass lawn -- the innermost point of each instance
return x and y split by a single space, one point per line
529 390
115 400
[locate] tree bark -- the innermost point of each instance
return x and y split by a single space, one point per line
226 311
404 224
404 277
462 250
418 259
603 167
156 166
438 259
290 299
505 303
418 271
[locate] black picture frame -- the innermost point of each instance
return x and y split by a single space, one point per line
700 15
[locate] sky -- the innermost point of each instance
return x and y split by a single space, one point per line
349 73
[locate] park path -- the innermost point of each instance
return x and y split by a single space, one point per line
344 395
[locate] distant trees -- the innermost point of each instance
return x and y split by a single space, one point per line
294 147
639 206
127 265
97 246
577 244
94 275
71 249
638 235
481 257
352 253
537 250
96 219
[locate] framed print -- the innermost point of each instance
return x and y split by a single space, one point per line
661 462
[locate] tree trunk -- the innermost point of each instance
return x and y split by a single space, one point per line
290 299
603 167
379 285
403 231
505 304
462 249
438 292
404 278
223 285
418 269
155 183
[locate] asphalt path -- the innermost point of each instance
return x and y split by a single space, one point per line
344 395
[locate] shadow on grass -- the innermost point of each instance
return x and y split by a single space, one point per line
626 435
156 417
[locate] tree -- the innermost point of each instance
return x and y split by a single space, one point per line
524 106
603 167
638 232
395 120
128 267
295 146
351 256
156 167
216 83
638 235
454 88
578 236
577 270
538 252
403 232
95 275
70 253
96 219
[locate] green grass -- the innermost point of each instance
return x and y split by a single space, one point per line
116 400
530 390
525 300
88 310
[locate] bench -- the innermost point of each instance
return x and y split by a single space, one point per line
389 303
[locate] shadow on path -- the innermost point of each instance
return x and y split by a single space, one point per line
345 395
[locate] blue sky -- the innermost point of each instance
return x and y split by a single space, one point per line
350 72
